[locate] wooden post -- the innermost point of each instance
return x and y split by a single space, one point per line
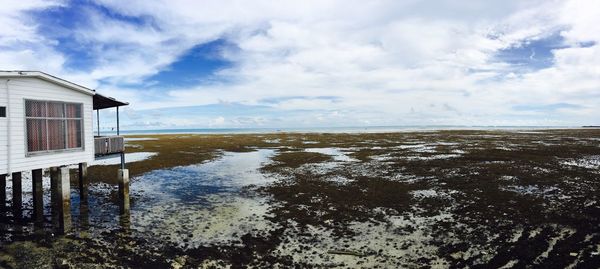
122 160
98 120
3 193
118 129
123 191
61 199
38 197
54 177
83 183
17 195
84 217
122 153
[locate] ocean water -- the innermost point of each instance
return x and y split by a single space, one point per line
368 129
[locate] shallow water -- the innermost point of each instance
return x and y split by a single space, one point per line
202 203
336 153
129 158
188 194
134 139
187 206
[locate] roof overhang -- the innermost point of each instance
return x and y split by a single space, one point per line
48 78
102 102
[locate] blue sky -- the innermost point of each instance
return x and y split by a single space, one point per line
237 64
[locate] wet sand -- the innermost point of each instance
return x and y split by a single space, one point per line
445 199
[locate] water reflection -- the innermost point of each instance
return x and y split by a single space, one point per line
194 205
129 158
336 153
192 184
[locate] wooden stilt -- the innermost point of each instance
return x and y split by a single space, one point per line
17 196
3 193
54 203
125 223
84 216
38 197
123 191
61 199
83 183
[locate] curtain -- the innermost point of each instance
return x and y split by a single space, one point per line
73 126
35 109
56 134
36 135
74 133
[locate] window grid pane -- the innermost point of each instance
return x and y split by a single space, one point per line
56 134
35 109
73 110
56 110
73 133
36 135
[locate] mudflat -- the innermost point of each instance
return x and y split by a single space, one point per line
439 199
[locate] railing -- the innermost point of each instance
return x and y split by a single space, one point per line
104 145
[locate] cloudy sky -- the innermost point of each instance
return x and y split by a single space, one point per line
223 64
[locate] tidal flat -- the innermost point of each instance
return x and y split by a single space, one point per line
431 199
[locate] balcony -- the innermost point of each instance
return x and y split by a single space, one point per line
106 145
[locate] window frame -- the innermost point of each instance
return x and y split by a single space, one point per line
65 119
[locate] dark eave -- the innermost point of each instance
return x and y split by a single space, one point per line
102 102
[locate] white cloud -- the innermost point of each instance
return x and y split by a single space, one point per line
218 121
380 58
22 47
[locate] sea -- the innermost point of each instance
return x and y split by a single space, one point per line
362 129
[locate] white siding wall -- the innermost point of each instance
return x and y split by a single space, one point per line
33 88
3 132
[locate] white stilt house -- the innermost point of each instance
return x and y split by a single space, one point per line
46 122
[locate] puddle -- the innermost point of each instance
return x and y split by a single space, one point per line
418 148
336 153
133 139
188 183
424 193
202 204
530 189
215 219
433 157
129 158
188 206
590 162
393 243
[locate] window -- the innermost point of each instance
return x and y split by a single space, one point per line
2 112
53 126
